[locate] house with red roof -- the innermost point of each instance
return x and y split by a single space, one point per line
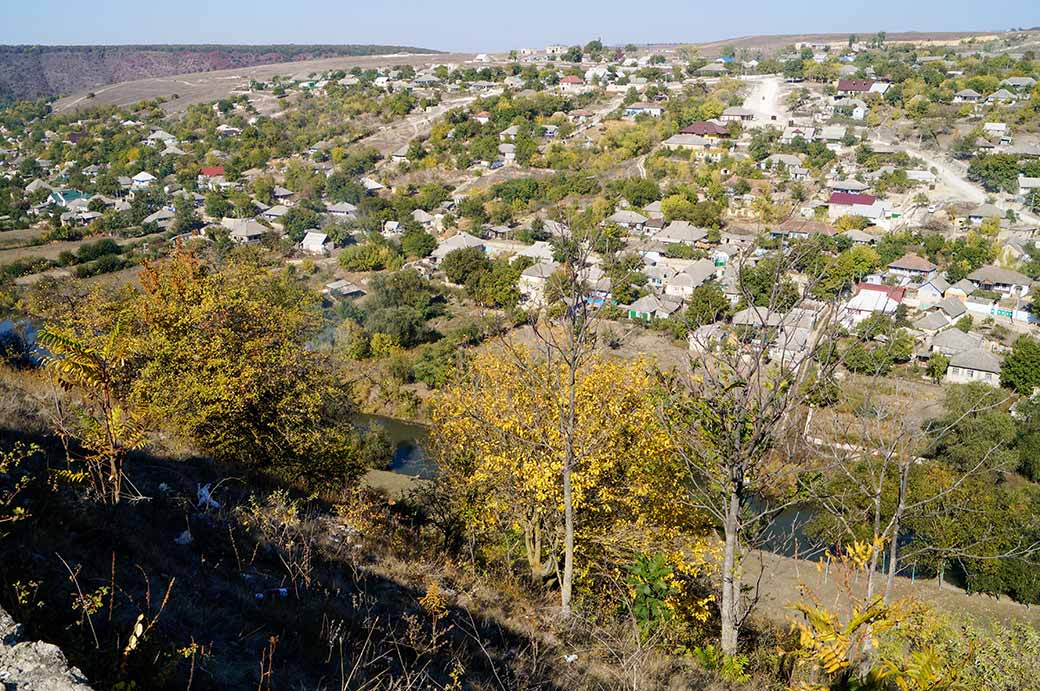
211 178
852 204
854 87
851 198
869 299
572 84
706 128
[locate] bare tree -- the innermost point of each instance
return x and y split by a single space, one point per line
736 418
872 455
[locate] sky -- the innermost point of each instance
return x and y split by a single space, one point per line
483 25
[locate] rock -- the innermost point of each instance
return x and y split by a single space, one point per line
34 665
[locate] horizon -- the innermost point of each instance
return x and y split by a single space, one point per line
470 26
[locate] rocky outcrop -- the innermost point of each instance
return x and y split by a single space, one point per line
34 665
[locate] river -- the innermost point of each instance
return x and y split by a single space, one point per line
786 535
408 439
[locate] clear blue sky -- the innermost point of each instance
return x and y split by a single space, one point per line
482 25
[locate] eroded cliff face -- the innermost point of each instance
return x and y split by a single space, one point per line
34 665
30 72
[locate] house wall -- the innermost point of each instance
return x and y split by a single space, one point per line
961 375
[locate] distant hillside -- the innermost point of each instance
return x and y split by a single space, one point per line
44 71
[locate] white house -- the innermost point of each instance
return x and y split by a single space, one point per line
974 365
654 110
315 242
682 284
871 299
142 180
533 280
1001 280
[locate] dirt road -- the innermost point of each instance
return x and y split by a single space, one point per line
766 100
391 137
953 175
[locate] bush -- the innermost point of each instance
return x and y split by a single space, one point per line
93 250
370 256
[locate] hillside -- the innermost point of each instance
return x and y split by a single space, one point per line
769 43
28 72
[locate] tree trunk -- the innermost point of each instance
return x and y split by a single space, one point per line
730 581
533 547
568 498
568 544
897 517
893 556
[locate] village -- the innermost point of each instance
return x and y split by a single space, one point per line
594 365
707 168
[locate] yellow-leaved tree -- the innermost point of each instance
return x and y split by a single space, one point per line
504 431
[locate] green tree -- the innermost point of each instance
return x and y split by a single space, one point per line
937 366
707 304
975 425
418 243
995 172
298 221
1020 370
459 265
216 205
342 188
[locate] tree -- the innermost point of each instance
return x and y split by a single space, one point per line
418 243
185 219
369 256
995 172
227 364
216 205
640 191
400 304
707 304
298 221
458 265
767 283
507 429
1020 370
937 366
733 420
107 428
847 268
342 188
880 489
263 189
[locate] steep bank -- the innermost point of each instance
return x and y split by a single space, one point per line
30 72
